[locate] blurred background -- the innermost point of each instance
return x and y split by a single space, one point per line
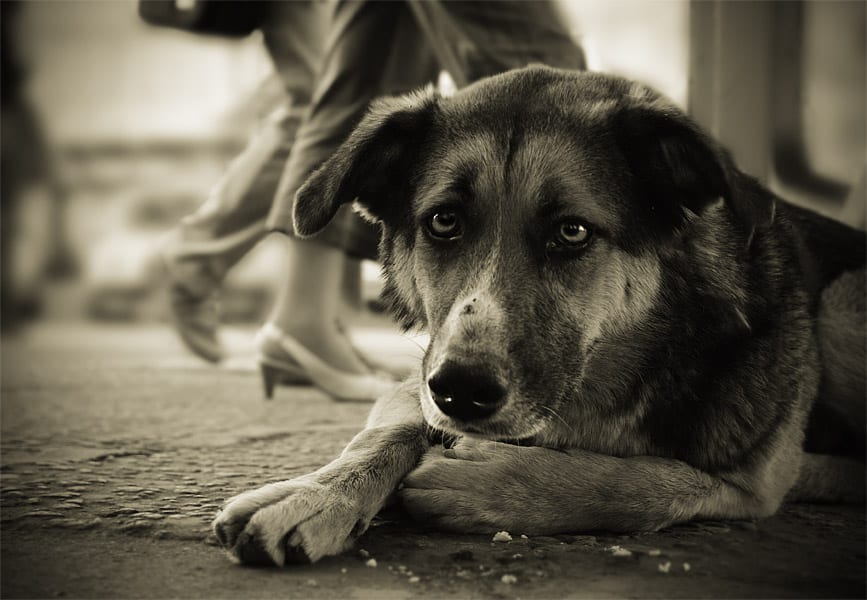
138 123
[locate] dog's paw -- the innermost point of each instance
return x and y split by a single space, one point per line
299 520
476 486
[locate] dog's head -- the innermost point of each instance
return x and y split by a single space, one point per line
522 224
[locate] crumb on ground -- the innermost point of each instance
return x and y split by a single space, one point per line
502 536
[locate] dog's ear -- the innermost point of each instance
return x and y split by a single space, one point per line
676 165
373 165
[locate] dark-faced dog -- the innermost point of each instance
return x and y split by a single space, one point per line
626 331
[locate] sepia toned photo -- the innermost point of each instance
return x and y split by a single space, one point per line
433 299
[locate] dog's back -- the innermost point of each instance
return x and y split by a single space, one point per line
833 258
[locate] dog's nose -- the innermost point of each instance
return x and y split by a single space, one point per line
466 391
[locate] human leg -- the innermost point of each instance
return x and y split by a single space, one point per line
206 244
346 84
308 306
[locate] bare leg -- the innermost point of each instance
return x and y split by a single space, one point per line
309 301
350 292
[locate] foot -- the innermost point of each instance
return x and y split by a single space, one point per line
282 351
193 296
295 521
330 343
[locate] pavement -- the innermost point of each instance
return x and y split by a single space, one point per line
118 448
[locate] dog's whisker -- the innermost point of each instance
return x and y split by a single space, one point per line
553 412
417 344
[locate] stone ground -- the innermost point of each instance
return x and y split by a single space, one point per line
118 448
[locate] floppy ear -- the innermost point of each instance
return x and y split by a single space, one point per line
676 166
373 165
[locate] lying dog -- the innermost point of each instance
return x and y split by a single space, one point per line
626 331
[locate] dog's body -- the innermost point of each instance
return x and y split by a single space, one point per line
647 326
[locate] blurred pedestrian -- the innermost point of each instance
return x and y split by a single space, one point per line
29 172
207 243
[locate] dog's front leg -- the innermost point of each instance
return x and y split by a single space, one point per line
321 514
488 486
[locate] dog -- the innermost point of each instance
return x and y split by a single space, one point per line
626 331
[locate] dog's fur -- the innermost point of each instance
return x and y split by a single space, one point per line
664 371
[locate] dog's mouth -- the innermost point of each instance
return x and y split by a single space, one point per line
514 441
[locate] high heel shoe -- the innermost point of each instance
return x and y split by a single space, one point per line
281 370
285 360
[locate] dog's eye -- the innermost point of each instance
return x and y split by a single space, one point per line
445 224
570 235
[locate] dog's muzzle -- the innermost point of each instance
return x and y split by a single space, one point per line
466 391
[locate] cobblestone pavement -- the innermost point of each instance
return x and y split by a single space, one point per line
118 448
